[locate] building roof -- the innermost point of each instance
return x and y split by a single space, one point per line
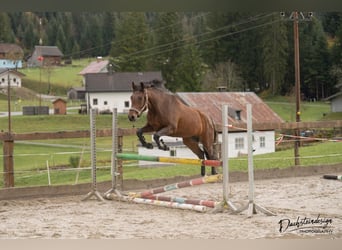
211 104
95 67
3 71
82 88
48 50
59 100
7 48
338 94
117 81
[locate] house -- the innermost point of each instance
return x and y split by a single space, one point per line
45 56
11 56
13 76
98 66
76 93
59 107
211 104
104 91
336 99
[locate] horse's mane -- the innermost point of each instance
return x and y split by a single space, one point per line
160 86
157 84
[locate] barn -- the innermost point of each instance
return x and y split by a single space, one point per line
45 56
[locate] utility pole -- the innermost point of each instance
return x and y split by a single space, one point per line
8 142
296 17
297 84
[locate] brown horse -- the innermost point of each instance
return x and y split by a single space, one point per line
168 116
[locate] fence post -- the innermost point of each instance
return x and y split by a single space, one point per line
8 162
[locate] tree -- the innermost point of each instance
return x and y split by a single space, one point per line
108 31
131 40
274 55
168 47
190 70
6 34
315 61
224 74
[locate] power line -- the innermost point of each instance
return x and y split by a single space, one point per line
139 34
249 20
199 35
206 40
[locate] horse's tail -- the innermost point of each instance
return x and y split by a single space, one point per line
216 146
214 129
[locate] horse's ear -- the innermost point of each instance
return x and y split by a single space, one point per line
133 86
142 86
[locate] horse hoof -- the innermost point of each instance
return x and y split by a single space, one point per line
149 145
202 171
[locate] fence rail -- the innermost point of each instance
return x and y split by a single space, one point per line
9 138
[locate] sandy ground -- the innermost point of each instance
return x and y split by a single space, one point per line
292 199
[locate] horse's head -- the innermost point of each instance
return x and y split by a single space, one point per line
139 101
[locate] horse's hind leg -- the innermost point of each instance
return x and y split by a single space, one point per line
192 144
160 143
213 169
209 153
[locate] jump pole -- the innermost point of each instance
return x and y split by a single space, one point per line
114 162
332 177
93 191
251 206
189 161
226 203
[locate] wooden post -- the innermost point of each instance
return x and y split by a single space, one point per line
119 180
297 85
8 163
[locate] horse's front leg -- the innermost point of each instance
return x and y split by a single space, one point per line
141 137
160 143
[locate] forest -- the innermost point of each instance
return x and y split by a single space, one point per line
196 51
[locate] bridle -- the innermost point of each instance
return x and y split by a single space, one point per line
143 108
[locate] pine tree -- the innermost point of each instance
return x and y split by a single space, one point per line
190 70
131 40
168 44
274 55
315 61
6 34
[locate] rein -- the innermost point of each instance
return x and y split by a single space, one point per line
139 112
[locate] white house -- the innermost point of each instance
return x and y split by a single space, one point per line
11 56
211 103
108 90
11 76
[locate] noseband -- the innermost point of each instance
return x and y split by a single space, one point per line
143 108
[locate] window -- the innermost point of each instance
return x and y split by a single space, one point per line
239 143
238 115
262 141
126 104
3 79
95 101
105 103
